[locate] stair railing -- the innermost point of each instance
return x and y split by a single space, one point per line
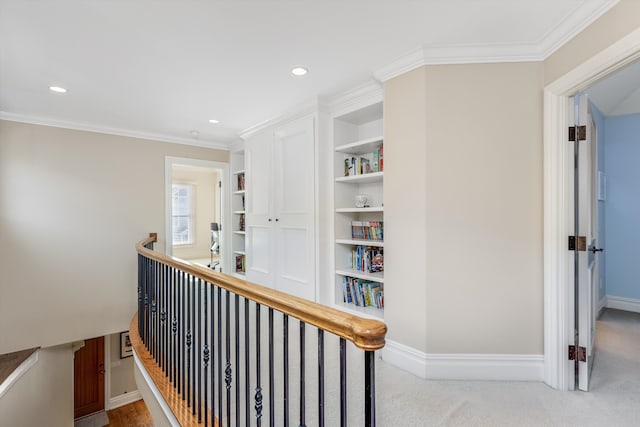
203 338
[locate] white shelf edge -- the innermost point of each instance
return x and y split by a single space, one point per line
240 252
374 277
239 192
356 210
369 312
239 232
362 146
238 172
365 177
239 212
377 243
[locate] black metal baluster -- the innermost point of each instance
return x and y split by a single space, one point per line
194 340
247 363
164 318
205 352
188 339
302 375
258 397
198 346
285 356
271 374
140 273
320 377
147 316
154 310
369 389
220 355
181 331
237 358
227 371
343 382
213 346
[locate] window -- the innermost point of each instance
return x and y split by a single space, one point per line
182 213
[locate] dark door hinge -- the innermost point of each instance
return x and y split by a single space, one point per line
582 133
581 353
577 243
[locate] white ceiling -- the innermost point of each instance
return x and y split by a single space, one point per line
161 69
619 93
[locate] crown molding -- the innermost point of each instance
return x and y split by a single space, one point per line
439 54
44 121
368 93
303 109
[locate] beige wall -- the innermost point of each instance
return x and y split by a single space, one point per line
405 205
43 396
618 22
463 208
205 183
72 206
122 380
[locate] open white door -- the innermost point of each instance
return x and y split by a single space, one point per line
586 244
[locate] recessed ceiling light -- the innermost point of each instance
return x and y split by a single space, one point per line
57 89
299 71
214 121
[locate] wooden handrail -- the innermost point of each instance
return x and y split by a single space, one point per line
366 334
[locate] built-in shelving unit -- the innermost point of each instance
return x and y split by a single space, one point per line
238 212
359 171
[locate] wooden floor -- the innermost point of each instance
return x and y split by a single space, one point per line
134 414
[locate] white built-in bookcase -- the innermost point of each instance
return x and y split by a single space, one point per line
237 209
356 133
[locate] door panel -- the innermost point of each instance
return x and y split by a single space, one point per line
294 276
586 271
88 378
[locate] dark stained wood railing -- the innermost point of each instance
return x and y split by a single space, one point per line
202 336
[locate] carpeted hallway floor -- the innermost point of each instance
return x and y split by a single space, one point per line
614 399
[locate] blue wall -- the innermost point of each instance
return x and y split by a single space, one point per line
599 120
622 207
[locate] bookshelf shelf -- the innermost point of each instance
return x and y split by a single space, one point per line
376 243
362 179
239 192
360 147
371 312
238 172
239 232
240 252
361 210
374 277
238 212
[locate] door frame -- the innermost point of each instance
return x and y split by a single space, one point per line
225 202
558 199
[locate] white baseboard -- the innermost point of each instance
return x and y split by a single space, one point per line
490 367
622 303
601 305
124 399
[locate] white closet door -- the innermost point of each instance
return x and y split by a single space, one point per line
259 218
294 207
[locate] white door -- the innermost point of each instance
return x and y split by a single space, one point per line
294 208
259 218
586 224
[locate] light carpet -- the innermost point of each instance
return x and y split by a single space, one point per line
614 399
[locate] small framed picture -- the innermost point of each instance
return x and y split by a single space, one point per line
125 345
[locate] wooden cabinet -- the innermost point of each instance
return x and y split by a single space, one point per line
280 208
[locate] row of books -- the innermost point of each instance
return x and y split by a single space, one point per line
240 181
241 261
371 162
367 230
362 293
367 259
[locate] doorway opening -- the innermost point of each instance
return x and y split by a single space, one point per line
558 204
196 212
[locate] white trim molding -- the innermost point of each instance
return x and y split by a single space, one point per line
19 372
124 399
623 303
602 304
156 395
487 367
87 127
575 21
558 193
